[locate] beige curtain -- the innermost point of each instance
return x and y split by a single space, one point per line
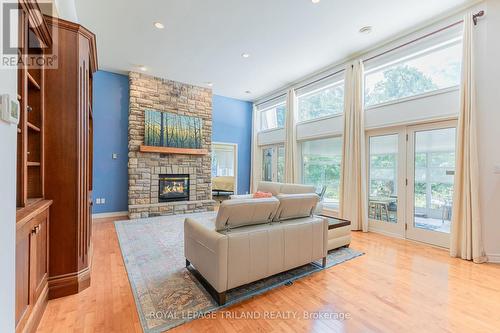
353 178
255 167
291 168
466 239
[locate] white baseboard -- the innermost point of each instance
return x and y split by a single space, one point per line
110 214
493 258
385 233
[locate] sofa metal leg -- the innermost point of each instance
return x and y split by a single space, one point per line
323 263
221 298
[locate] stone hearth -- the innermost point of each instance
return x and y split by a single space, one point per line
147 92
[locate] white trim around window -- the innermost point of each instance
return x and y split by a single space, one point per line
234 147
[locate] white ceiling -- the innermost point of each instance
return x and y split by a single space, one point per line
203 39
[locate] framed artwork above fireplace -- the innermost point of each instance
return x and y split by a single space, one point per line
165 129
166 132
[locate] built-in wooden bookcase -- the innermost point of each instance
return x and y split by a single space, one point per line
31 85
32 216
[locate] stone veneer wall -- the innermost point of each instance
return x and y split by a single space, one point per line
147 92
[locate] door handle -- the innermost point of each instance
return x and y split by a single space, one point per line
35 230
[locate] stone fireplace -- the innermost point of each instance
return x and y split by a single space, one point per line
173 188
166 184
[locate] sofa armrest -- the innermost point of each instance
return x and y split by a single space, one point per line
206 249
241 196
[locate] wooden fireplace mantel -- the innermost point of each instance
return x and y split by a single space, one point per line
172 150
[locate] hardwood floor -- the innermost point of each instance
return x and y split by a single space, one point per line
397 286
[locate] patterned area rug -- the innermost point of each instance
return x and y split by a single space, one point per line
166 293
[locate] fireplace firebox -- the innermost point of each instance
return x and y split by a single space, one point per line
173 188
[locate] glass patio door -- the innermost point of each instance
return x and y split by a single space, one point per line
430 176
386 181
273 163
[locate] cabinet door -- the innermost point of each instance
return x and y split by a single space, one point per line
23 272
40 255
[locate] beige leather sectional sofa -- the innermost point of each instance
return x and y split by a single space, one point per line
337 237
251 239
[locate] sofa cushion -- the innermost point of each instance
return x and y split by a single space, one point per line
240 212
294 206
296 189
274 188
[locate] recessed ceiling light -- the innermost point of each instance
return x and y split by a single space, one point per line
366 30
159 25
245 55
210 84
315 1
142 68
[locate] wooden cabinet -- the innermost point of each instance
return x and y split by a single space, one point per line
32 217
32 270
68 156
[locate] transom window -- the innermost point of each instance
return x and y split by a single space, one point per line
435 68
273 117
322 102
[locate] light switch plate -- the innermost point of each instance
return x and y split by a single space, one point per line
4 107
496 169
98 201
114 156
103 201
9 109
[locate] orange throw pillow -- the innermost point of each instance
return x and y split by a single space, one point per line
259 194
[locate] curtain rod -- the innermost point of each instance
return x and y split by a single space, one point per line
304 85
474 18
272 98
321 79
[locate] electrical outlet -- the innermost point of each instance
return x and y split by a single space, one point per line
98 201
114 156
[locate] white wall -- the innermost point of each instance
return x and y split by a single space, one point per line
488 88
8 137
66 9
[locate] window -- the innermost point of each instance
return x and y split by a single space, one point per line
267 164
273 163
273 117
321 161
323 102
433 69
281 164
223 160
383 182
434 172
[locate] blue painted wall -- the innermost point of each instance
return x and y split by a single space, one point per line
111 100
232 120
232 123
